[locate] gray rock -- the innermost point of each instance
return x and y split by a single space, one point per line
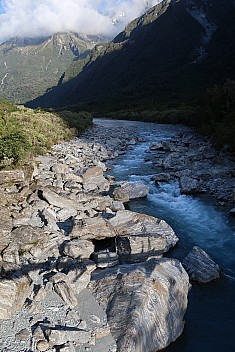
36 220
200 266
93 228
105 259
117 205
96 319
174 161
156 146
145 303
12 176
78 274
24 238
69 347
93 179
66 213
22 335
11 254
6 225
59 168
60 201
50 221
128 223
43 345
63 288
120 195
162 177
189 185
73 177
133 190
13 294
58 336
79 249
138 248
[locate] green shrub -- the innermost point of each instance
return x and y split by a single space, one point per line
13 147
25 132
76 120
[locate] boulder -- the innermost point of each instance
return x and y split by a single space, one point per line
28 237
145 303
120 195
200 266
76 273
128 223
156 146
78 249
6 225
92 228
59 201
174 161
13 294
32 242
12 177
93 180
66 213
60 168
63 288
189 185
162 177
137 248
133 190
59 336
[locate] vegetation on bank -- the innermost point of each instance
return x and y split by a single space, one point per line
213 113
216 115
25 132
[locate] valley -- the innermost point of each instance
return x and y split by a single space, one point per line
117 177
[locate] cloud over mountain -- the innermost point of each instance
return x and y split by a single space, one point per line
27 18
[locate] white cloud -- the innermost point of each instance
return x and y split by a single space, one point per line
31 18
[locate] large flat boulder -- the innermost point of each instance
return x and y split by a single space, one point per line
145 303
141 235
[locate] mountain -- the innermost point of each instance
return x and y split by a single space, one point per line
170 54
31 66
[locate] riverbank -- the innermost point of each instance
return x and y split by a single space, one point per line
62 214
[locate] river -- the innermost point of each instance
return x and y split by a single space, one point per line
197 220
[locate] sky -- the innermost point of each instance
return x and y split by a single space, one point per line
32 18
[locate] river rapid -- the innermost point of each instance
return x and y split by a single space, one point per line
197 220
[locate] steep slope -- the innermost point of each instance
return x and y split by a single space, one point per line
28 67
172 53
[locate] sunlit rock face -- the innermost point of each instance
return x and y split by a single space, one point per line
145 303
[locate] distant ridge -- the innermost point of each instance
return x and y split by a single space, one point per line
31 66
172 53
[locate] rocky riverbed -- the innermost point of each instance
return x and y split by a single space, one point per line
79 272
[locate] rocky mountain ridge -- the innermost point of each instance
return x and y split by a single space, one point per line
30 66
173 52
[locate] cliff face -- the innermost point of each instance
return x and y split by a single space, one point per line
174 51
